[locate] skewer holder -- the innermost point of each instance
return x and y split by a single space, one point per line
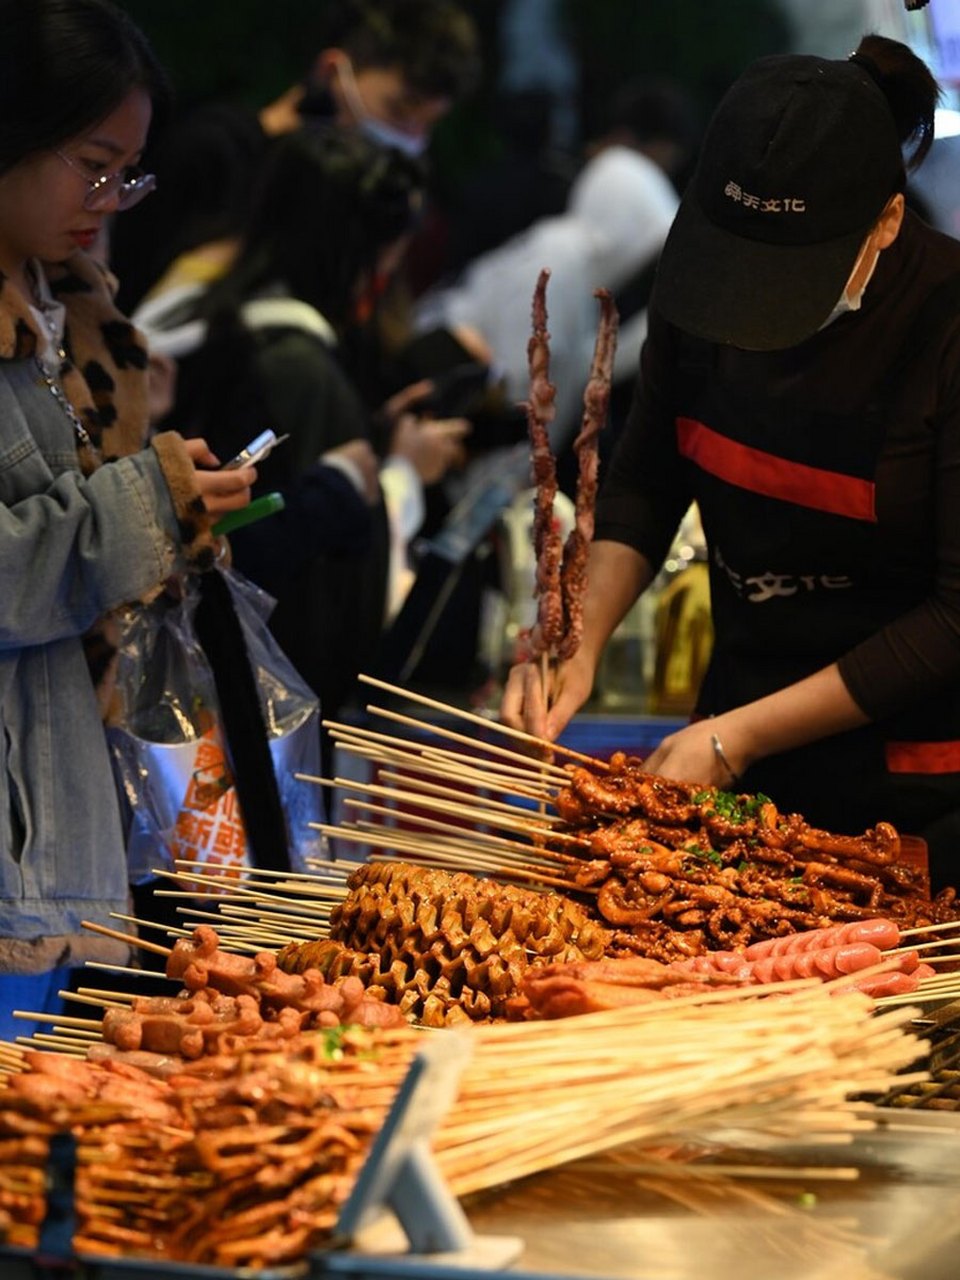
429 1234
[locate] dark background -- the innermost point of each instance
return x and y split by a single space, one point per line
249 51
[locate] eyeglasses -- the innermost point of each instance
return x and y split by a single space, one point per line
129 185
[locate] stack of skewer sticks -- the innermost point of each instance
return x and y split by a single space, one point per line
481 810
679 1069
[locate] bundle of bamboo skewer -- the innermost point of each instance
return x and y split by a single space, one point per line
537 1095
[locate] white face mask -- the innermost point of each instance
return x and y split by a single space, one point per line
378 131
853 302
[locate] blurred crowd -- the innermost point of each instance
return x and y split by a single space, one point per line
302 267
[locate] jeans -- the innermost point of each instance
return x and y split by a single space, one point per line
34 993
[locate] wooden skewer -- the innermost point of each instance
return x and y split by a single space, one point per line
471 799
54 1044
130 938
521 766
930 928
467 837
493 775
925 946
59 1019
335 894
441 855
517 734
450 770
135 920
440 731
120 968
447 860
264 873
122 997
99 1001
486 817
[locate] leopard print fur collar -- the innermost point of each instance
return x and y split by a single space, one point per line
103 375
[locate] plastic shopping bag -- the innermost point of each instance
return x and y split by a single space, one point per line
171 745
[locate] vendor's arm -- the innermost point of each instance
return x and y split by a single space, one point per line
814 708
616 575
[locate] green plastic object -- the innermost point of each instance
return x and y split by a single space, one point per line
268 505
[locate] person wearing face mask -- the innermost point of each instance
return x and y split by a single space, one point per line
391 68
801 382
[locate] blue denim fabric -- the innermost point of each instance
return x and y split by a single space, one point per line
33 993
71 548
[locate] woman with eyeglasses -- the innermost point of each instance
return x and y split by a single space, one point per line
89 517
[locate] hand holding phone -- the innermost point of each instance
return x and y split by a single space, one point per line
255 451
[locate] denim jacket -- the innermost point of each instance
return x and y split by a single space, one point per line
77 539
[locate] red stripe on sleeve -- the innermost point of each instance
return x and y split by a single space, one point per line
774 477
922 757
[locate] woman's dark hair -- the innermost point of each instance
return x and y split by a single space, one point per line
329 201
909 87
64 66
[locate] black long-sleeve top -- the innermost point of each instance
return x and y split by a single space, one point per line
828 481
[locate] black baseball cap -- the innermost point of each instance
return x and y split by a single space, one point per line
797 164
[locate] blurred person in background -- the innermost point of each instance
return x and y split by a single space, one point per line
332 213
617 215
390 68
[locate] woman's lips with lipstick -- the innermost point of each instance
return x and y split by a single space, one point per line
84 238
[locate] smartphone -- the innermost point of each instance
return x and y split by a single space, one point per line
255 451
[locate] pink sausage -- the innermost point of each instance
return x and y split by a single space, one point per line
805 964
921 971
806 941
884 984
849 958
880 932
732 962
763 969
909 962
790 942
827 962
693 964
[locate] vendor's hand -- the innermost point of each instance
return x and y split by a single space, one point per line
689 755
525 700
433 446
221 491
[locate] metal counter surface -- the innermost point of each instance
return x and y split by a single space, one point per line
900 1220
600 1219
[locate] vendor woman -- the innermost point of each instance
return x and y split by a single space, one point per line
801 383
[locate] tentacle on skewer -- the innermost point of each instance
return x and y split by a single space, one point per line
547 544
596 404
